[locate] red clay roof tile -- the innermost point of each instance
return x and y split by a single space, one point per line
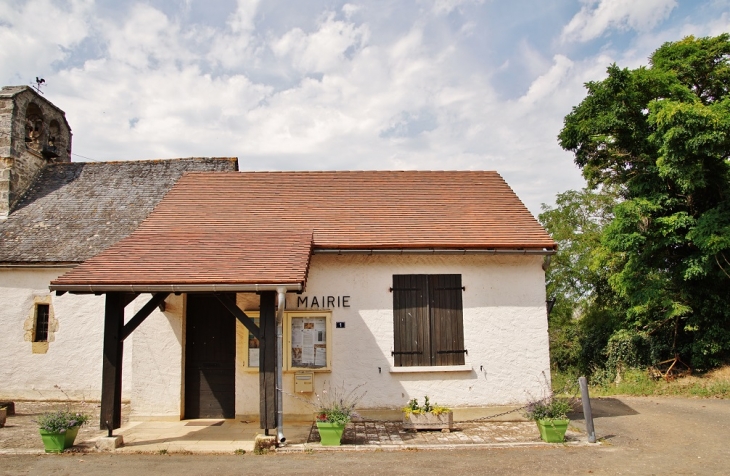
226 227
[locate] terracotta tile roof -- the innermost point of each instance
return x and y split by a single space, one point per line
342 210
199 258
73 211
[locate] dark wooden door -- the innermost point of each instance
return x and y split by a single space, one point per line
210 359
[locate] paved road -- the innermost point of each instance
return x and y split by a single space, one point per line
639 436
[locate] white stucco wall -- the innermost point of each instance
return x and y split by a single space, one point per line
505 332
159 367
71 366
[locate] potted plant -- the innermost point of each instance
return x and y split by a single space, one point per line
334 410
551 416
427 417
59 428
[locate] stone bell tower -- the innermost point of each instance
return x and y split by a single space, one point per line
33 133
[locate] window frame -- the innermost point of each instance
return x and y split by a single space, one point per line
37 324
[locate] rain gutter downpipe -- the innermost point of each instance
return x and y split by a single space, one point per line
281 294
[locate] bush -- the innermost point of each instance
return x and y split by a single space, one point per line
548 409
335 405
61 420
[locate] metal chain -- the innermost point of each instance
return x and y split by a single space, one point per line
488 417
475 420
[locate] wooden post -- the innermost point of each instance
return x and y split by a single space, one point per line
267 360
111 380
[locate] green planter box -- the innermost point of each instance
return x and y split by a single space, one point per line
553 431
330 434
57 442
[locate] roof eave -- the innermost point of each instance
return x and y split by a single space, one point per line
39 264
436 251
174 288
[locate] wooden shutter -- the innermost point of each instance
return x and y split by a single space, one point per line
447 323
411 320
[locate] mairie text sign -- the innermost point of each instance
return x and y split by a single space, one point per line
328 302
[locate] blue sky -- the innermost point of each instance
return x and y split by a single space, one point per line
325 84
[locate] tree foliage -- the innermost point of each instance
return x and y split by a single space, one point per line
586 309
659 138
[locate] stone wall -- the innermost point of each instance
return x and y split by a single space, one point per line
33 132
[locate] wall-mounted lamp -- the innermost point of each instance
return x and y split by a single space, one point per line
549 304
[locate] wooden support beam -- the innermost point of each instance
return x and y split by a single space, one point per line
128 297
267 360
111 380
142 314
229 304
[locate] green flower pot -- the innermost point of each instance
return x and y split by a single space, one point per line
57 442
71 437
553 431
330 434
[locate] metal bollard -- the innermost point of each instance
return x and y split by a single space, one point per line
587 413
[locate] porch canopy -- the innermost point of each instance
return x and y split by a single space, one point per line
196 261
171 261
255 231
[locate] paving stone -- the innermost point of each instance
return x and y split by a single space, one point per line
467 433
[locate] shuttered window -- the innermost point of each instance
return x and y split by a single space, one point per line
428 320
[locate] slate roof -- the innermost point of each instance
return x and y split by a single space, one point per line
73 211
366 210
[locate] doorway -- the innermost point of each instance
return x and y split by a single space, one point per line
210 358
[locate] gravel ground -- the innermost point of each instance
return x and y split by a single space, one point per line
638 435
641 436
21 431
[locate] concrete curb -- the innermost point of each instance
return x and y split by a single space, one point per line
22 452
309 447
314 447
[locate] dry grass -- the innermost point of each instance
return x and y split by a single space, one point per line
712 384
723 373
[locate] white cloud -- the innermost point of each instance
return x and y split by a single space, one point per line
39 33
350 9
332 87
550 82
243 18
531 59
147 38
447 6
401 104
235 47
596 17
323 50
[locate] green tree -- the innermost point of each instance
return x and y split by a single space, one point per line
660 136
576 223
586 309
